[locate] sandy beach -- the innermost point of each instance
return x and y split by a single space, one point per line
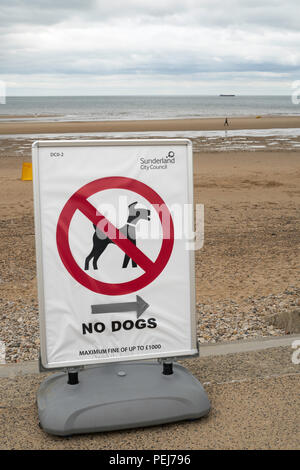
36 126
248 268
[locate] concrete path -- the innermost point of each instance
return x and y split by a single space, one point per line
255 405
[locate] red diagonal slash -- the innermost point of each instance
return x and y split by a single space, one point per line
113 233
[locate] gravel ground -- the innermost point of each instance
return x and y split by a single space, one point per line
21 336
230 321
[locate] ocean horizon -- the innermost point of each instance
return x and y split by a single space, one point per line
109 108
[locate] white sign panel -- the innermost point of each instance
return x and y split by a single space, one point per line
114 222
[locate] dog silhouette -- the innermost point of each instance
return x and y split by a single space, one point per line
101 241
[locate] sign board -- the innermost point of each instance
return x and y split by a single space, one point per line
114 219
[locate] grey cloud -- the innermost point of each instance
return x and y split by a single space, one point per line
150 64
41 11
173 38
226 13
55 11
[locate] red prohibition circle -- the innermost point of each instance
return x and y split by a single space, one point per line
78 201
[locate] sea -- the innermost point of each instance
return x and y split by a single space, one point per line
94 108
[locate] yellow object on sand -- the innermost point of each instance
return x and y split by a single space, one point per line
26 172
258 117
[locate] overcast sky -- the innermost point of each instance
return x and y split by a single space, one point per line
95 47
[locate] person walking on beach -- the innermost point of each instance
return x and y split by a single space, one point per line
226 123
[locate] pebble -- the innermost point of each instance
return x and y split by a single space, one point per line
230 321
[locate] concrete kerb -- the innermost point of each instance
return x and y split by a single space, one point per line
241 346
206 350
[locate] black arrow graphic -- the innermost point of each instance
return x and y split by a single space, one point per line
139 306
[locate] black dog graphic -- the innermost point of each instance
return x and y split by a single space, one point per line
100 240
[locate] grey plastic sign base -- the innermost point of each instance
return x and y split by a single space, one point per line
119 396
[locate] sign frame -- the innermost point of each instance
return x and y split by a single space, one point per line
45 365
